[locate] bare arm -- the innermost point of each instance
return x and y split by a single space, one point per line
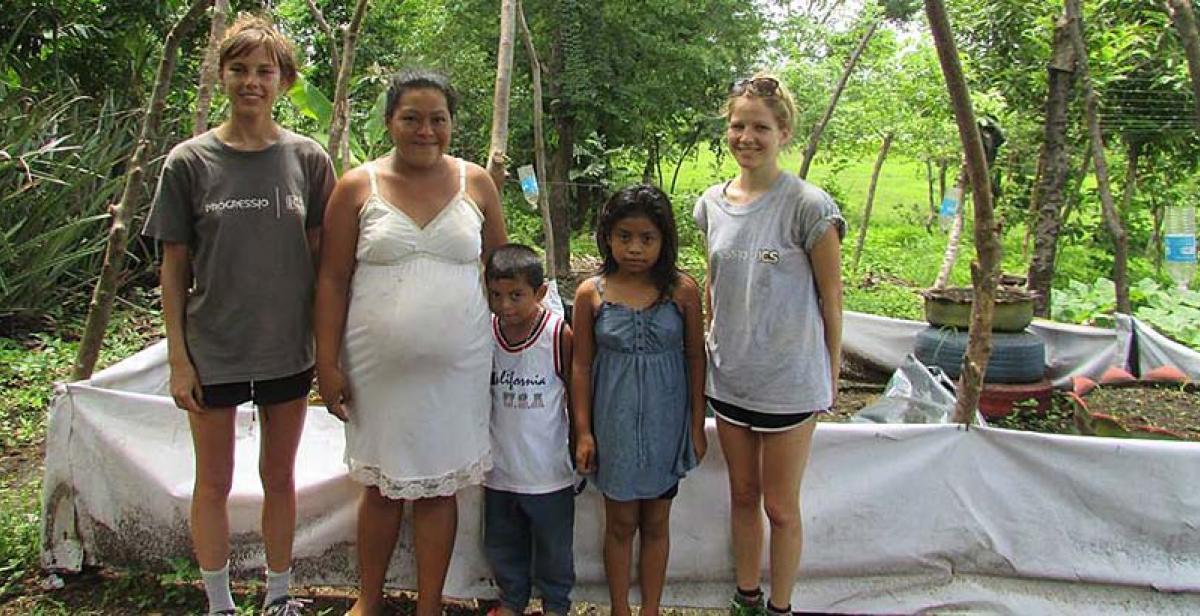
687 296
339 238
826 258
483 192
584 351
176 276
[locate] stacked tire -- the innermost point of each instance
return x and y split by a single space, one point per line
1016 370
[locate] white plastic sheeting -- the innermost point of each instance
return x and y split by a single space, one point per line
897 518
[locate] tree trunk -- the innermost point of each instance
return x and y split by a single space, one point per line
686 151
100 308
933 205
1112 218
208 68
985 272
814 139
561 160
1053 169
1133 155
866 221
319 17
651 161
954 238
1075 197
504 62
539 143
339 124
1185 24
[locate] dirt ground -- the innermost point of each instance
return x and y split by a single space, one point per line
1169 407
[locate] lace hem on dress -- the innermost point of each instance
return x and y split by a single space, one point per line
427 487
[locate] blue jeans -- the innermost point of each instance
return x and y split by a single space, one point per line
528 540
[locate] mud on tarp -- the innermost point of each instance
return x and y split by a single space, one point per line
898 518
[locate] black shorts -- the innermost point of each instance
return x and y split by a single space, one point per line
755 420
271 391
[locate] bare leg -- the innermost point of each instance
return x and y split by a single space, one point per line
281 427
435 522
620 525
743 452
654 532
212 439
785 455
378 529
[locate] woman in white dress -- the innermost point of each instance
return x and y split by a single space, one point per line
403 347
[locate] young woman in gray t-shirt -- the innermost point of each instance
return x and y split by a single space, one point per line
238 211
774 345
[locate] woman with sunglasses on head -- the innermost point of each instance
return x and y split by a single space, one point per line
774 292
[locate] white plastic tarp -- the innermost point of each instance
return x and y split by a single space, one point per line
897 518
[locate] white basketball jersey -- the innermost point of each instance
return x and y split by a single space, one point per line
529 412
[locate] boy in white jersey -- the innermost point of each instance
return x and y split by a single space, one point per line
529 495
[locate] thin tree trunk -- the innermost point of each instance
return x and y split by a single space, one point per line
1075 197
564 126
1112 218
1185 24
933 206
1133 155
810 151
695 137
339 124
504 62
1053 168
954 238
866 221
100 308
985 272
319 17
208 68
539 142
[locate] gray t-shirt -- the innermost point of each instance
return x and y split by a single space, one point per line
766 347
244 216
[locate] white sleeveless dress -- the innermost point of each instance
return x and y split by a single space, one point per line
418 351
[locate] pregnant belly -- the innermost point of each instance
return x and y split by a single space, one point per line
403 315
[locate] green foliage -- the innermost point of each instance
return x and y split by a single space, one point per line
61 165
1174 313
19 531
1058 419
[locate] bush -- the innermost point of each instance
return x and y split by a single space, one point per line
61 165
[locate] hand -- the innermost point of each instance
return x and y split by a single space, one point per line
332 386
185 387
585 453
699 442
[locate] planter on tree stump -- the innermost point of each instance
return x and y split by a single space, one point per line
951 307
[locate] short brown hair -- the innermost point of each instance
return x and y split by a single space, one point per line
781 103
251 31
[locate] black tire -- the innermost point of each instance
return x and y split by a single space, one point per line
1016 358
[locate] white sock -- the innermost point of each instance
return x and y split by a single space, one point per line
216 586
277 585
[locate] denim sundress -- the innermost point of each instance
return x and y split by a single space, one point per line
641 417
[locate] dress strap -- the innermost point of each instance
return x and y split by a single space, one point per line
371 174
462 176
600 286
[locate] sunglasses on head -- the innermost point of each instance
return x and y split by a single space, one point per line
756 86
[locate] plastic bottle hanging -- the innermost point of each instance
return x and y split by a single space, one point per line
529 184
1179 243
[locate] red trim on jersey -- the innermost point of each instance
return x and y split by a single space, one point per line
524 344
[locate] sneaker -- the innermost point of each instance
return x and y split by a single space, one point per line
739 607
285 606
